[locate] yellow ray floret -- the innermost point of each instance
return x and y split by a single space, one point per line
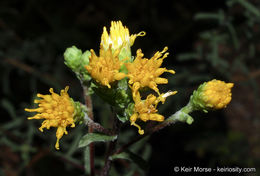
144 72
147 109
105 68
57 110
119 36
217 94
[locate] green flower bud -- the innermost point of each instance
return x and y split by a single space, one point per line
72 57
85 57
76 61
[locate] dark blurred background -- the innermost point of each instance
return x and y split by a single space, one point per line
206 39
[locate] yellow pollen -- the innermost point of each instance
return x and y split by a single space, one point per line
217 94
57 110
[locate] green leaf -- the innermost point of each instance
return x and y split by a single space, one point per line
147 152
130 156
87 160
250 7
73 145
13 124
95 137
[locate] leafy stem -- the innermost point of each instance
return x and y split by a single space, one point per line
181 115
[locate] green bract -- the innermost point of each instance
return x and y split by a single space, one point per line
197 101
79 112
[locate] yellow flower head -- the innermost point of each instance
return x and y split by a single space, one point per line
57 110
144 72
118 36
217 94
105 68
147 109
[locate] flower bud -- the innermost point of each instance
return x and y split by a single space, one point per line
72 57
76 61
211 95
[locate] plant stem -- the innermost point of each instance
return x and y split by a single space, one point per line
169 121
88 103
96 126
111 147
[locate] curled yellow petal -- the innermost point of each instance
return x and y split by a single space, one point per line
56 110
105 68
146 72
147 109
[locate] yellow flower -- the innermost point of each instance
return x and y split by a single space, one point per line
118 37
146 109
217 94
105 68
144 72
57 110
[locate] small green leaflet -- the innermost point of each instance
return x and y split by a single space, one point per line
95 137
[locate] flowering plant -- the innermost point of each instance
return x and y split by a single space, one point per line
121 80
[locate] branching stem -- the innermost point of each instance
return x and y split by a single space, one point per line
169 121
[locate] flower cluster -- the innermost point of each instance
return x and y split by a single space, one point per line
119 78
141 72
57 110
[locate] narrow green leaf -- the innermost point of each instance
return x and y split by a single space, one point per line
128 155
233 35
73 146
95 137
147 152
12 124
86 160
250 7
